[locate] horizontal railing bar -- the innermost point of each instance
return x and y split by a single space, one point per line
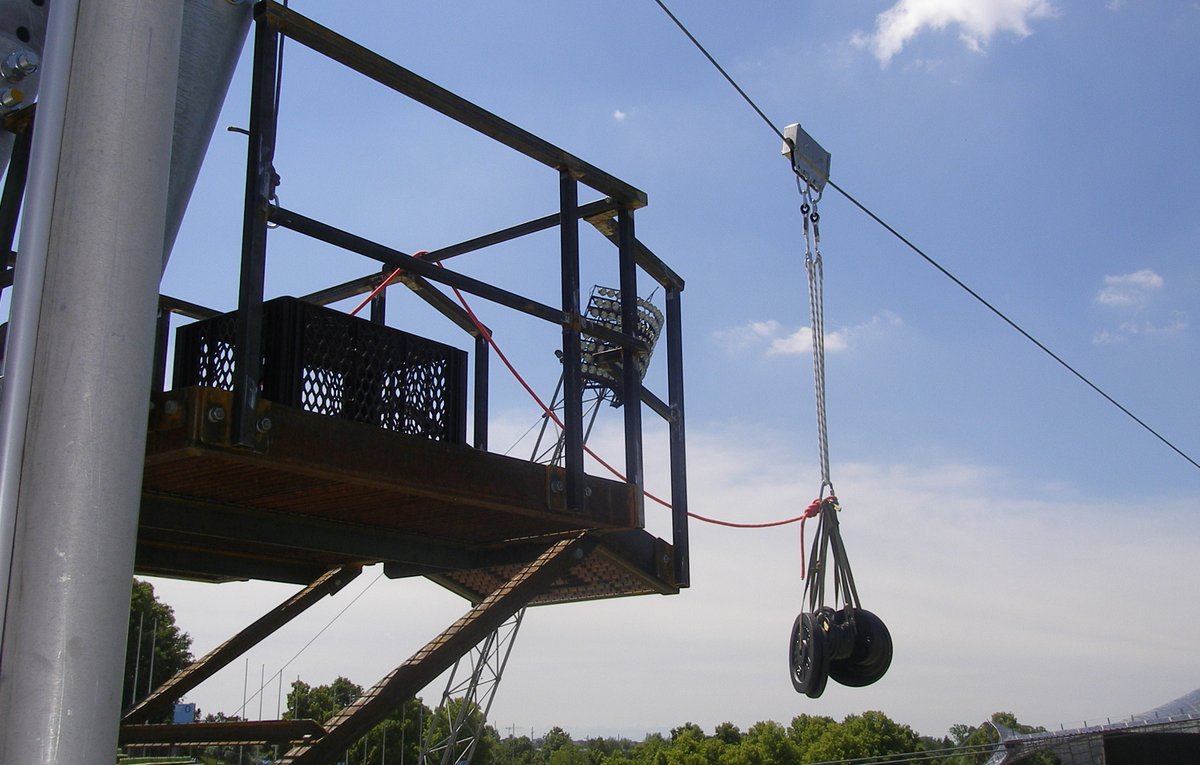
420 266
390 74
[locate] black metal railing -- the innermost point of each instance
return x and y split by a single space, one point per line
613 216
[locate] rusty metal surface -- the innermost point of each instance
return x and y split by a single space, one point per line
222 733
441 652
611 571
320 492
200 670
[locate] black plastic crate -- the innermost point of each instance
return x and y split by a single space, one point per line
328 362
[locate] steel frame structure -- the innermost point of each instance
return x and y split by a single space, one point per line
492 622
273 22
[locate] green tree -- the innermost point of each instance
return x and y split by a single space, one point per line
806 730
397 739
765 743
516 750
320 702
687 730
689 746
440 724
984 734
155 649
651 751
728 733
871 734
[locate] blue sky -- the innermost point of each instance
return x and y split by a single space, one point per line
1031 548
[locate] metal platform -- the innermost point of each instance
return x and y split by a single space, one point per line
321 492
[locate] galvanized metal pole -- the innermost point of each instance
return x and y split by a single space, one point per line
95 229
27 289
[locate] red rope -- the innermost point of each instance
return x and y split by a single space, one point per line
383 285
809 512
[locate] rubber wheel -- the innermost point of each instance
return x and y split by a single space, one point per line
808 662
839 632
871 656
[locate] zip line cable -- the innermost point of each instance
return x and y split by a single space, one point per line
945 272
279 673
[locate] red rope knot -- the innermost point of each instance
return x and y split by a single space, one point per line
812 511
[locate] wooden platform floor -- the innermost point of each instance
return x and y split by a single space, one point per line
319 492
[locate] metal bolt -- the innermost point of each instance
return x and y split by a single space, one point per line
11 98
19 65
587 491
556 486
171 407
216 414
264 425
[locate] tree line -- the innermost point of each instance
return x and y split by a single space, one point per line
158 648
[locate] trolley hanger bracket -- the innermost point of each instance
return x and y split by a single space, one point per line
809 159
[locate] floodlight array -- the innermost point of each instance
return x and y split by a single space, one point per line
600 359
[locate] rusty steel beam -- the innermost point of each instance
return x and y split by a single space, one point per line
222 733
198 671
440 653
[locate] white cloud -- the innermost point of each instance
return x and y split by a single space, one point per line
977 21
800 341
1129 290
619 115
1176 324
780 342
746 335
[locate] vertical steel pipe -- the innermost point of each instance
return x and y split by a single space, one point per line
379 308
631 377
260 187
75 401
571 343
482 351
679 503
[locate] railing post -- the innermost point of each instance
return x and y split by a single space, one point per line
260 184
679 508
482 349
631 377
162 337
572 372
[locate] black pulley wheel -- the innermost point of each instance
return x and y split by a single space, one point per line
839 632
808 662
871 656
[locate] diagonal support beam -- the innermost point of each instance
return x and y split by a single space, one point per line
198 671
440 653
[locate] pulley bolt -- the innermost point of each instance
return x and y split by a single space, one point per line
11 98
18 65
216 414
264 425
556 486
